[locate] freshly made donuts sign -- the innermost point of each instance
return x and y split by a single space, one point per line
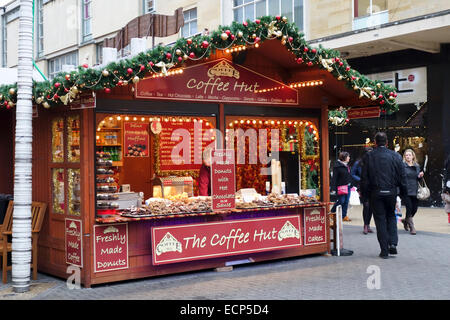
189 242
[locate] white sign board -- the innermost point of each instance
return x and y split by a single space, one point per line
411 84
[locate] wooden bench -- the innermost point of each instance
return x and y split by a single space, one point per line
38 210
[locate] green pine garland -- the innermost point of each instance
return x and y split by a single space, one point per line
161 59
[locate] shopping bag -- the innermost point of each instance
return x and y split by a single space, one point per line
341 190
423 193
354 197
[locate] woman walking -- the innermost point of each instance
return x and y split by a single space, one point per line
341 183
413 174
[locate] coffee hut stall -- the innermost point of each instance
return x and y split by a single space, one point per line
117 154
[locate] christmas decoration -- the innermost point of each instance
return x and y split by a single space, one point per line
248 34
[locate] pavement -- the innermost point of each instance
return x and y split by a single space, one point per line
420 271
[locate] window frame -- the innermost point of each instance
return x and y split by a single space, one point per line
146 8
57 61
355 10
189 22
85 35
39 25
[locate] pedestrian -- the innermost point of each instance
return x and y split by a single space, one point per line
446 190
341 183
383 175
413 175
356 175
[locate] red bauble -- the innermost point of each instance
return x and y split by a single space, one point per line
168 55
205 44
57 85
347 68
245 23
336 59
257 39
309 64
151 64
278 17
107 90
85 66
299 60
55 96
313 50
257 21
353 78
180 59
232 37
142 68
120 83
291 39
227 32
130 71
382 102
67 77
341 63
192 55
305 49
380 96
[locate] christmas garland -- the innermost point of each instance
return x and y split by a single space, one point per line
66 86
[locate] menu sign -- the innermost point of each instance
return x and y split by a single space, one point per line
136 139
84 101
315 226
181 144
359 113
223 179
110 247
189 242
218 81
74 242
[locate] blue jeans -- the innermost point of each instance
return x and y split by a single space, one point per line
342 200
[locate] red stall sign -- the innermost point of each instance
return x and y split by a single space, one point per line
362 113
315 226
136 139
110 247
218 81
223 179
74 242
189 242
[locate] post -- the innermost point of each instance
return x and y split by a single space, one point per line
21 229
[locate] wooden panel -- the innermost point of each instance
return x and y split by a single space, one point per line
7 125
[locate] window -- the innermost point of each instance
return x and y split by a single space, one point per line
190 23
364 8
40 28
55 64
86 20
4 43
99 52
252 9
149 6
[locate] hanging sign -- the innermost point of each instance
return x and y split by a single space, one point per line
315 226
189 242
136 139
218 81
110 247
74 242
223 179
360 113
84 101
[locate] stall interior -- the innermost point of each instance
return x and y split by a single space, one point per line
149 165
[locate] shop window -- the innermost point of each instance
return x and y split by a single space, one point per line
55 65
65 165
369 13
252 9
86 18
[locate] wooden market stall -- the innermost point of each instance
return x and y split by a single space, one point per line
104 161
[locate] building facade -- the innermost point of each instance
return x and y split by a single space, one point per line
404 43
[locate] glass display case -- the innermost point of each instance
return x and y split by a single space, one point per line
58 140
164 187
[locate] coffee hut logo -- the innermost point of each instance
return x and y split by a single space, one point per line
168 244
223 69
288 231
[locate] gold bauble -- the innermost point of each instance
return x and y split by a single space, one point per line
125 82
105 73
339 78
185 57
1 97
379 85
136 79
39 100
224 36
254 36
283 42
12 91
74 89
178 52
284 19
46 105
240 34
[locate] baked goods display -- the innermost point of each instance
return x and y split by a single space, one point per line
158 207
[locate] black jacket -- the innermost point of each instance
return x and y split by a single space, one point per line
341 176
412 179
383 172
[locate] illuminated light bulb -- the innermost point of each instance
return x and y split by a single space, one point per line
227 51
142 119
303 84
257 45
134 118
99 129
295 122
254 121
248 121
235 121
278 122
242 121
290 122
150 119
314 131
260 122
272 122
284 122
311 126
110 118
119 118
301 122
320 82
195 120
126 118
98 137
230 124
166 120
201 120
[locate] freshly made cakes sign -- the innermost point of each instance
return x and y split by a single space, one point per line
180 243
218 81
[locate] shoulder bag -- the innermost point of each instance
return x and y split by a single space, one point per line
423 193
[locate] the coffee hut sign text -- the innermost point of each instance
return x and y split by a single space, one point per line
218 81
189 242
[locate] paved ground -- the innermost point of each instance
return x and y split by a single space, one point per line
420 271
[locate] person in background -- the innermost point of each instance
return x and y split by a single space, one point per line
204 177
356 175
446 191
383 173
342 180
413 174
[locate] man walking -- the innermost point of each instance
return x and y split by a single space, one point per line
383 175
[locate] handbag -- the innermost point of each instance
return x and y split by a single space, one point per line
341 190
354 197
423 193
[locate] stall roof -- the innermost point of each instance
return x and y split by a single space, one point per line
274 38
